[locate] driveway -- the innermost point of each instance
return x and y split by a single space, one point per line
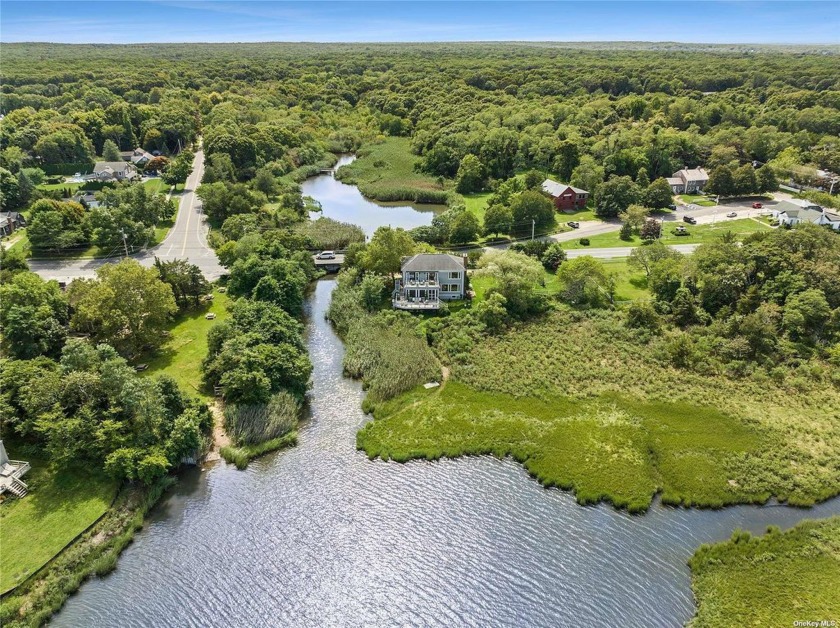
186 240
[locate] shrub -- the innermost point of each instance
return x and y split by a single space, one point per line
584 241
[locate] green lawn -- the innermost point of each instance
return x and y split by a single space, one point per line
60 186
697 199
385 172
697 234
58 507
773 580
630 284
186 347
477 204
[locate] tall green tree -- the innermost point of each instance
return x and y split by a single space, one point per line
615 195
127 306
33 316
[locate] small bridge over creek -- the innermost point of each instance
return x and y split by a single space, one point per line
331 265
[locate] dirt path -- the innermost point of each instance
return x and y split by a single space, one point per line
220 436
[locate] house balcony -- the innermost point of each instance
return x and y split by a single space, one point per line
421 284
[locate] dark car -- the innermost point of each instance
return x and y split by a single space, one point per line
672 207
690 220
573 224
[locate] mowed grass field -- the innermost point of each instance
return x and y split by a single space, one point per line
58 507
630 284
697 234
186 347
773 580
385 172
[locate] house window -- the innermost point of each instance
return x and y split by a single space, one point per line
455 275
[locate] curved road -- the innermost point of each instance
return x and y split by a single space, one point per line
186 240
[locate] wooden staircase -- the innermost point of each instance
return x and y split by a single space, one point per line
17 487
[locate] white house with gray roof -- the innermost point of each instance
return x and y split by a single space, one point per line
427 279
797 210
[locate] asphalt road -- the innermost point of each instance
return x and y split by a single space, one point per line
186 240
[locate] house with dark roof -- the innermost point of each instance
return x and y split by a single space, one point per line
688 180
427 279
9 221
565 196
112 171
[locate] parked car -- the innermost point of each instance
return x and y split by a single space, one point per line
573 224
326 255
672 207
757 206
210 316
732 215
690 220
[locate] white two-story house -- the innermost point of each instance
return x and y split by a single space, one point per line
427 279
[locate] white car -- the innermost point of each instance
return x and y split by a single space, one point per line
210 316
326 255
732 215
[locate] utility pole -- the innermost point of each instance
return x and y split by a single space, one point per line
125 244
533 227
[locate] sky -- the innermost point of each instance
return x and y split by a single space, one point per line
700 21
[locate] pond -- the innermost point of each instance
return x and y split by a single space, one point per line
319 535
345 203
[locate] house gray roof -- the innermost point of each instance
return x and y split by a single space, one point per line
556 189
433 261
795 204
674 180
693 174
111 166
831 216
811 215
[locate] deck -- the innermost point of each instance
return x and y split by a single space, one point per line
404 304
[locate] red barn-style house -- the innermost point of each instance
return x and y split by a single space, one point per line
564 195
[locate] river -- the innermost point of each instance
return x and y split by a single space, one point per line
318 535
345 203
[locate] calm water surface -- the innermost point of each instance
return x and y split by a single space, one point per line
345 203
318 535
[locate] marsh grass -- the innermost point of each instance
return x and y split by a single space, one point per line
607 448
385 172
254 424
540 391
772 580
242 455
326 233
93 554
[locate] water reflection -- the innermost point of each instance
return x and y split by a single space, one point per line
320 536
345 203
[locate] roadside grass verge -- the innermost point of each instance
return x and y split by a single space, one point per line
773 580
697 199
385 172
95 553
186 346
610 448
243 454
697 234
59 506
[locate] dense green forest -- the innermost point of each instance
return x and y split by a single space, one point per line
744 336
